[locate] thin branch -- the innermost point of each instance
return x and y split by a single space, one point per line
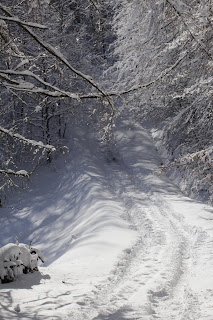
99 13
20 173
148 84
6 78
60 93
30 24
94 4
21 138
2 188
57 93
61 58
28 86
24 87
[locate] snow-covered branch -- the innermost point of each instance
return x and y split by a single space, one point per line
195 168
30 24
56 53
30 87
8 80
98 11
20 173
142 86
148 84
178 12
34 143
197 159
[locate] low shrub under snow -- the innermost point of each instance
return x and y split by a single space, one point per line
16 259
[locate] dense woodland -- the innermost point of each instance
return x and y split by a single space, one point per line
95 62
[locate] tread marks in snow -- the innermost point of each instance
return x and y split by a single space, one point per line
146 280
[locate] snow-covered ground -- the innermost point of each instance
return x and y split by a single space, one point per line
120 239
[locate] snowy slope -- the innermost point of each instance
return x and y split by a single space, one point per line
120 240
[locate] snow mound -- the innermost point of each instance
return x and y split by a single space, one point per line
16 259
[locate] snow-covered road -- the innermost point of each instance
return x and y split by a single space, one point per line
159 277
122 241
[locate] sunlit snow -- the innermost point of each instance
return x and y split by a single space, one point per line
120 240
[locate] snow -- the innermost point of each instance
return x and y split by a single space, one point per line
23 173
30 24
120 239
55 52
3 23
16 259
34 143
192 172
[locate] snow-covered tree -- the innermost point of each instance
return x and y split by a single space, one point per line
48 49
164 70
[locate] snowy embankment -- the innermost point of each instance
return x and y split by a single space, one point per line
120 240
191 172
72 216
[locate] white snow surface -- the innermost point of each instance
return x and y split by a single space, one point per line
120 240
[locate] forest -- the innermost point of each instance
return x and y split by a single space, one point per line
92 62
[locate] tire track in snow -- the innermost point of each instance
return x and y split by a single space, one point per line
125 277
147 275
152 279
187 302
171 307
